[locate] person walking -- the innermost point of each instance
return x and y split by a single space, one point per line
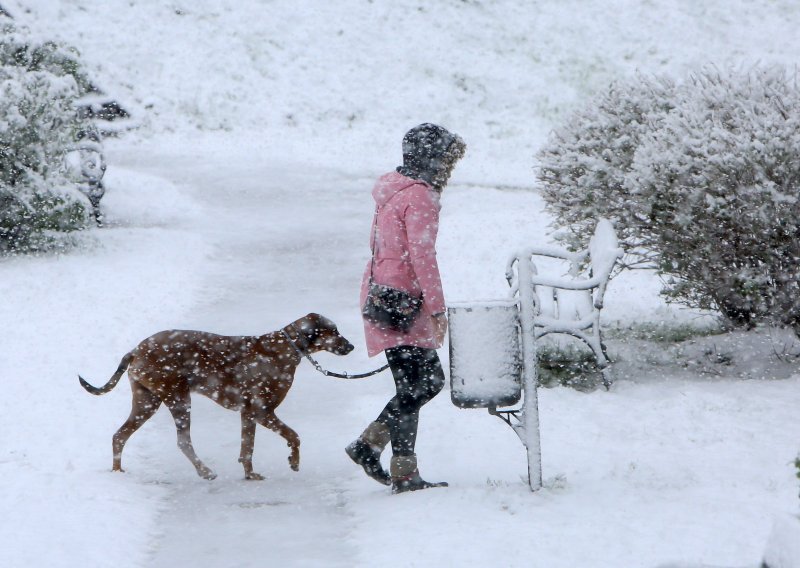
403 240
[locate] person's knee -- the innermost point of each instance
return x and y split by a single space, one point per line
433 385
434 376
409 401
437 384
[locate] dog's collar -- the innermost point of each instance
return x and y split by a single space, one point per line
317 366
302 352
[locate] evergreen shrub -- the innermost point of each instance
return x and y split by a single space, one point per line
40 84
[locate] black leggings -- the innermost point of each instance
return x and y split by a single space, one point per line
418 377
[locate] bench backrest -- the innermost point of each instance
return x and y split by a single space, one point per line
603 254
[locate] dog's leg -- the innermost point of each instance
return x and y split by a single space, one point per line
180 406
143 405
268 419
248 440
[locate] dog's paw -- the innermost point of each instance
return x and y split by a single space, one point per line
294 464
207 474
253 476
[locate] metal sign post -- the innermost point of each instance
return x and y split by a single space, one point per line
530 380
526 418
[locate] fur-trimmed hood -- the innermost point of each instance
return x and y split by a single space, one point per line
429 154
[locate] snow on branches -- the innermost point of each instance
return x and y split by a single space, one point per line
701 179
39 126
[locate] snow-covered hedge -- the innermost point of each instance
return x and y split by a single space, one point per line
39 126
702 180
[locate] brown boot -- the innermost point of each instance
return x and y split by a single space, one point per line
405 475
366 451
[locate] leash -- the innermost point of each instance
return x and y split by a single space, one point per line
327 373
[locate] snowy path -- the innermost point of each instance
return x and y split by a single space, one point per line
273 262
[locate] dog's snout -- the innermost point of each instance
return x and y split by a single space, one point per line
344 346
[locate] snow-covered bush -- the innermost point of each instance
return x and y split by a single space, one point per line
583 167
38 127
702 179
18 48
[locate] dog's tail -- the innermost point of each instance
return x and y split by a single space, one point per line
112 382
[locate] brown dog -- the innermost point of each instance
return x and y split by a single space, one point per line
248 374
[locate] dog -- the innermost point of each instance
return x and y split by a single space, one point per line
248 374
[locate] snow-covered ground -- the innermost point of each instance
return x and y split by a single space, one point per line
242 202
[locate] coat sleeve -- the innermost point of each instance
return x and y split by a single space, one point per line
422 225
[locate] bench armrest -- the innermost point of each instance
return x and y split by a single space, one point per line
566 283
574 258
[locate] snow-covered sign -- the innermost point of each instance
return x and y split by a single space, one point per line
493 359
485 361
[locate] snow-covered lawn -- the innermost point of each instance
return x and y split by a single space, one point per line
243 203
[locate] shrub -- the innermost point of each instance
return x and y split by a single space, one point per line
568 366
38 127
701 179
19 49
584 165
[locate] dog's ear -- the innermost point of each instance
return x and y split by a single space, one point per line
325 323
314 325
308 323
309 326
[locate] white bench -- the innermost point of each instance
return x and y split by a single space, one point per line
571 304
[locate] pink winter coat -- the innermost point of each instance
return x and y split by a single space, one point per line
405 258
